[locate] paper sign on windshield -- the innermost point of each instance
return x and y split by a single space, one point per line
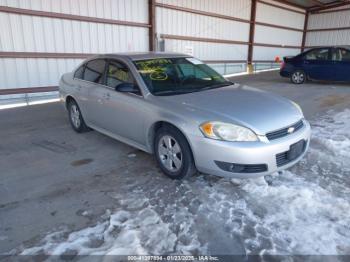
194 61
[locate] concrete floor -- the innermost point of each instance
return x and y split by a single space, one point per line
53 179
315 98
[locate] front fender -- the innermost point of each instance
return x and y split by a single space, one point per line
185 126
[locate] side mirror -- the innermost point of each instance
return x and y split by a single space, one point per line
127 88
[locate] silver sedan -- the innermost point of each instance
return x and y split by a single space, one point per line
186 114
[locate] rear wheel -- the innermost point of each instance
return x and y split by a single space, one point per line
298 77
173 153
76 118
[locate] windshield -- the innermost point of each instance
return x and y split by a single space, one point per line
171 76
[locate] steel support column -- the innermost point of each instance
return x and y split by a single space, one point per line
306 21
251 36
152 23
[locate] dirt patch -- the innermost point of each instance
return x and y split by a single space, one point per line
56 147
334 100
82 162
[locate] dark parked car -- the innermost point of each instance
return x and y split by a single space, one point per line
324 63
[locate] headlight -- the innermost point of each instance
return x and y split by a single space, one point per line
227 132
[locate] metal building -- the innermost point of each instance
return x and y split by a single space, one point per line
41 39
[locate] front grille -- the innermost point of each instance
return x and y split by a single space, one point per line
284 131
240 168
284 158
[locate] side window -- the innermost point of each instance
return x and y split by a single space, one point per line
94 70
341 54
118 73
79 72
318 54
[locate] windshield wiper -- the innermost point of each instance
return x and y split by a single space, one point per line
173 92
183 91
228 83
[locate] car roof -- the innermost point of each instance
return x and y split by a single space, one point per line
142 55
337 46
344 46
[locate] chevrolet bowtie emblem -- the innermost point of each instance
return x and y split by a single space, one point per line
290 130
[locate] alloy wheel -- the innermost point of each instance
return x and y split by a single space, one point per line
75 116
298 77
170 153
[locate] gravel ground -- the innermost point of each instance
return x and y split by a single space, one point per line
126 206
301 211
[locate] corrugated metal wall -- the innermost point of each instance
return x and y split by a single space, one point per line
208 51
213 30
177 22
271 14
24 33
236 8
329 20
130 10
174 22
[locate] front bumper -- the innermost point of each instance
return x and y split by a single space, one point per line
207 151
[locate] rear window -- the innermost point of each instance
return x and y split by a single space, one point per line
318 54
79 73
341 54
94 70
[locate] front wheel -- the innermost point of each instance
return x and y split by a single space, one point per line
298 77
173 153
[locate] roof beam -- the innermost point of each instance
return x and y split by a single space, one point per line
290 4
317 2
334 4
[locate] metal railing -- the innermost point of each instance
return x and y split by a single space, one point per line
234 68
258 66
28 96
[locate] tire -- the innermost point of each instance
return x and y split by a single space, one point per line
298 77
173 153
76 118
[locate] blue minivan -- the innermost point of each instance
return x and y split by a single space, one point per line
323 63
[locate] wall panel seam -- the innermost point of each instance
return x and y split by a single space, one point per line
44 55
224 41
28 90
226 17
328 29
21 11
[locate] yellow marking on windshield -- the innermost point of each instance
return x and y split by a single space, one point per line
155 68
158 75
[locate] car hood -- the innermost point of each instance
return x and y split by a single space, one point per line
258 110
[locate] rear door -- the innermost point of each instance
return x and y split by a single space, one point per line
341 60
77 91
119 113
318 64
91 80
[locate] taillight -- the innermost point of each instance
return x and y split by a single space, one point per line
283 64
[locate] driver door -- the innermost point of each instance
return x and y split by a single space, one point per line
318 64
121 114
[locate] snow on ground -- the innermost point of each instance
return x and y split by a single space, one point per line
304 210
